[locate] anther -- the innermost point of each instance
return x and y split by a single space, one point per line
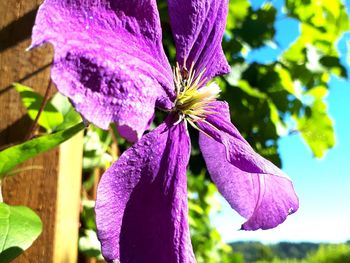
193 99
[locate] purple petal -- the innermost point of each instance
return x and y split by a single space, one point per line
141 207
198 27
108 60
254 187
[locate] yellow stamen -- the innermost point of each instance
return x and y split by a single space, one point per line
193 99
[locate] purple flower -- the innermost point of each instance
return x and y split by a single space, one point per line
110 62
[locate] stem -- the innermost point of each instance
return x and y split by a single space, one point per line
29 168
42 106
114 146
1 200
97 177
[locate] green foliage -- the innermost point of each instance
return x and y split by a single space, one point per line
58 114
15 155
88 242
70 116
326 253
287 252
330 254
314 120
310 61
96 147
50 117
253 251
19 227
257 28
89 245
266 94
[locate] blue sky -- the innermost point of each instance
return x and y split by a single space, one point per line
323 186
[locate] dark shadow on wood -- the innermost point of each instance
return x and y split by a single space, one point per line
17 31
6 89
15 133
10 254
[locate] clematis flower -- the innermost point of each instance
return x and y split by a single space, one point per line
110 62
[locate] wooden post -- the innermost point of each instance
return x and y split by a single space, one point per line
50 183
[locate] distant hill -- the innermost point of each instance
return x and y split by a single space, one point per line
254 251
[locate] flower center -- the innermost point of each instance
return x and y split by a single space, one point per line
193 99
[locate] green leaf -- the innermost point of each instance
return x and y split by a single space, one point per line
258 27
244 85
333 63
19 227
195 208
238 11
316 127
276 120
96 143
11 157
70 116
50 117
287 82
89 245
88 215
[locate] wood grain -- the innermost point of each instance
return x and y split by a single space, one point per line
49 183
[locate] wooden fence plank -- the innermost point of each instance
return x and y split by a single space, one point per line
68 200
49 183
